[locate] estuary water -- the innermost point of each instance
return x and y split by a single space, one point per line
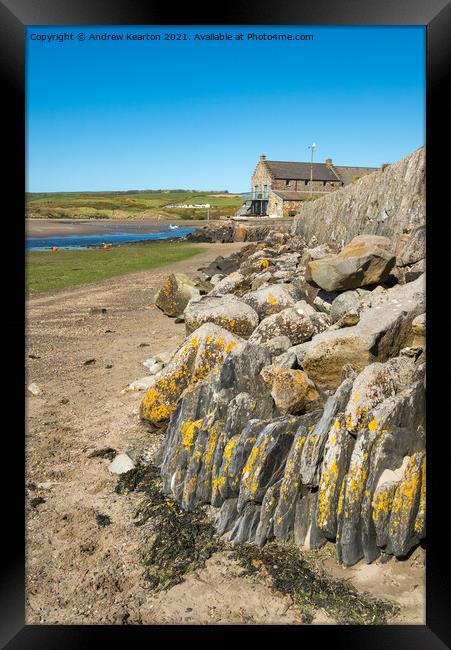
110 236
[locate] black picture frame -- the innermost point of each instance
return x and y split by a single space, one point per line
15 15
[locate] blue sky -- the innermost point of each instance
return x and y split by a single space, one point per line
123 115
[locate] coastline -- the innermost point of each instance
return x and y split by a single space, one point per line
60 227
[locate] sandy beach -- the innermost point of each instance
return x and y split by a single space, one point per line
81 572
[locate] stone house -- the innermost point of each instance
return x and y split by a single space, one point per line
279 188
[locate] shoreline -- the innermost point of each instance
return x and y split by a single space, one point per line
44 228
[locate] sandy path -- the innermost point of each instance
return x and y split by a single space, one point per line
77 571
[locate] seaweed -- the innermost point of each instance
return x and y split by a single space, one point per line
180 542
37 501
103 520
293 574
106 452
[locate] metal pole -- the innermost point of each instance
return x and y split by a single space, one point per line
312 147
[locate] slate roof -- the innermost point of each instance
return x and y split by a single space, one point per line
292 196
299 171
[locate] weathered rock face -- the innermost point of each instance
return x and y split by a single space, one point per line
269 300
194 360
352 471
348 301
228 312
366 260
175 294
389 202
298 412
234 283
292 390
292 322
381 332
229 231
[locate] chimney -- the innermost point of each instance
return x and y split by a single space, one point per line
329 161
262 157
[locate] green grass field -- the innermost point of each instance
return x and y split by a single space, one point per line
48 270
144 205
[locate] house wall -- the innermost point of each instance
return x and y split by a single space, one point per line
301 186
275 205
291 206
261 177
280 208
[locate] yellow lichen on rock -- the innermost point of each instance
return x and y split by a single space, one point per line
188 433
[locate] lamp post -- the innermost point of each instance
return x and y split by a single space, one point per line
312 147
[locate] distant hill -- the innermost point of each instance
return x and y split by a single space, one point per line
133 204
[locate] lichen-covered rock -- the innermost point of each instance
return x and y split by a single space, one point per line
228 312
375 383
260 279
235 452
234 283
177 290
404 509
346 302
240 372
201 353
292 322
381 332
266 462
190 427
337 453
291 484
312 451
292 390
265 526
278 345
366 260
306 531
269 300
349 541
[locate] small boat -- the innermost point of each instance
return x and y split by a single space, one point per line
172 226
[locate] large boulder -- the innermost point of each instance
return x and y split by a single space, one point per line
366 260
234 283
382 331
177 290
292 390
346 302
200 354
227 311
294 322
269 300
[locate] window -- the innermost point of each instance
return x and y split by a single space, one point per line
287 182
305 182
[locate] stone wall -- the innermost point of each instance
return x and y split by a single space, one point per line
261 177
388 202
